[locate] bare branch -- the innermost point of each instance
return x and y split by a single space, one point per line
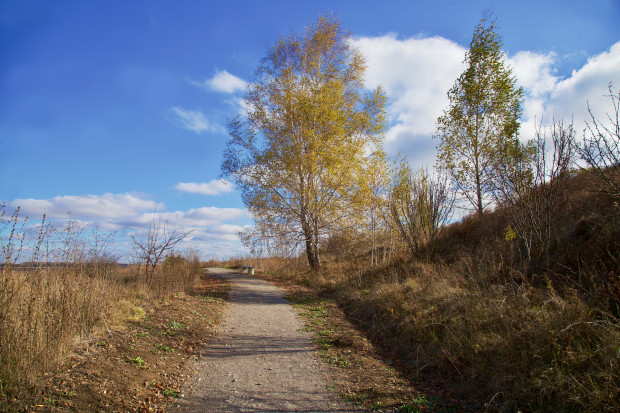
151 247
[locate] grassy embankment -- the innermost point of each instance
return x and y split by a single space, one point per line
474 314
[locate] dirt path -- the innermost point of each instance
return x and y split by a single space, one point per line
260 360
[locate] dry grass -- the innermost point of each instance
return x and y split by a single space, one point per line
177 273
43 313
48 308
507 345
46 312
477 316
102 374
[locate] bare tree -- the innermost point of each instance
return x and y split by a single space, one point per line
600 147
151 247
534 187
420 205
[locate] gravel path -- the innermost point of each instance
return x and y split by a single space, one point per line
260 361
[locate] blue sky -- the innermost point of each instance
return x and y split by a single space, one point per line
116 110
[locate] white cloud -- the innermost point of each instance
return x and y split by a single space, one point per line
213 187
124 210
548 96
225 232
212 235
534 71
90 207
215 233
222 81
587 85
416 74
193 120
204 216
217 241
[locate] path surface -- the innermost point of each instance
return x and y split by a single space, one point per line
260 361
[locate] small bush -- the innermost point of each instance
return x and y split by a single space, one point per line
177 273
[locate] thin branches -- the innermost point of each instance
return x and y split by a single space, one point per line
151 247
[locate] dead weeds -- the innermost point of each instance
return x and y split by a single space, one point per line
363 372
139 367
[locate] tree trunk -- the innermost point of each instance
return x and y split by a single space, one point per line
313 254
312 250
477 166
478 177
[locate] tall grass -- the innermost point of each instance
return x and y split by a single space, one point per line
511 344
43 313
58 288
177 273
477 313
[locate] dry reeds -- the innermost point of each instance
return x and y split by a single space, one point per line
58 288
514 345
177 273
43 312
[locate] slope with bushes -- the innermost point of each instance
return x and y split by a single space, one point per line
476 314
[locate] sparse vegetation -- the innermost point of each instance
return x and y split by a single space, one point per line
170 392
59 287
136 361
163 347
501 329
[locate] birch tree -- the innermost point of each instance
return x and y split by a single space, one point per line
301 147
481 123
373 201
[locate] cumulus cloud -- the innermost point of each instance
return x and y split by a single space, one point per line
225 232
126 214
217 245
587 86
222 81
89 207
548 97
417 73
212 236
214 187
217 241
193 120
197 217
534 71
